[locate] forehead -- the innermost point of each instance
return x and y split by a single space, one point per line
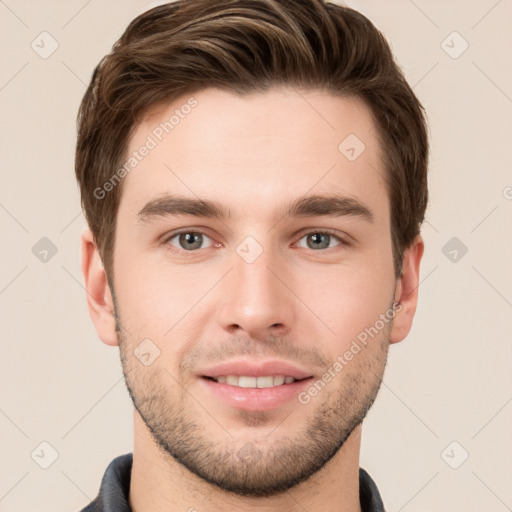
255 150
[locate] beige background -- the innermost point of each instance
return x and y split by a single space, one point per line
449 381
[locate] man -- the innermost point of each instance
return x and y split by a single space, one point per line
253 174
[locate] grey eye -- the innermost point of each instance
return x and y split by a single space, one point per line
319 240
189 241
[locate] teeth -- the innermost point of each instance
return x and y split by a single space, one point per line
265 382
244 381
232 380
247 382
278 380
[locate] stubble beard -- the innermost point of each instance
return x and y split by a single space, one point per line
262 466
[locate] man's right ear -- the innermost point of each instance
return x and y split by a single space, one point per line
99 297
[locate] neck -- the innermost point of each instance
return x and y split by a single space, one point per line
159 483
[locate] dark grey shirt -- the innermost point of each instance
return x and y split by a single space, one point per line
115 489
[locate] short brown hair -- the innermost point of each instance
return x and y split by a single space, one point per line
246 46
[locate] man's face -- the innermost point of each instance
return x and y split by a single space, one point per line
258 294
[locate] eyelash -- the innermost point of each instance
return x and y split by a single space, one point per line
342 241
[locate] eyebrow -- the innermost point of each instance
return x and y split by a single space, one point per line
308 206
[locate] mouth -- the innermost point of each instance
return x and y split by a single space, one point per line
247 381
254 386
254 393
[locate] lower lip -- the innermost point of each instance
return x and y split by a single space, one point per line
256 399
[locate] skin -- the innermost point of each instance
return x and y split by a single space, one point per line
295 302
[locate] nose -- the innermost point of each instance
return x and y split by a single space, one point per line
256 299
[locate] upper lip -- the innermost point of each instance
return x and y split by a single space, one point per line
253 369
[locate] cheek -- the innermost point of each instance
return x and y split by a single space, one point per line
157 298
346 300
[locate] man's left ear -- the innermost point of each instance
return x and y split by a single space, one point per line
407 291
